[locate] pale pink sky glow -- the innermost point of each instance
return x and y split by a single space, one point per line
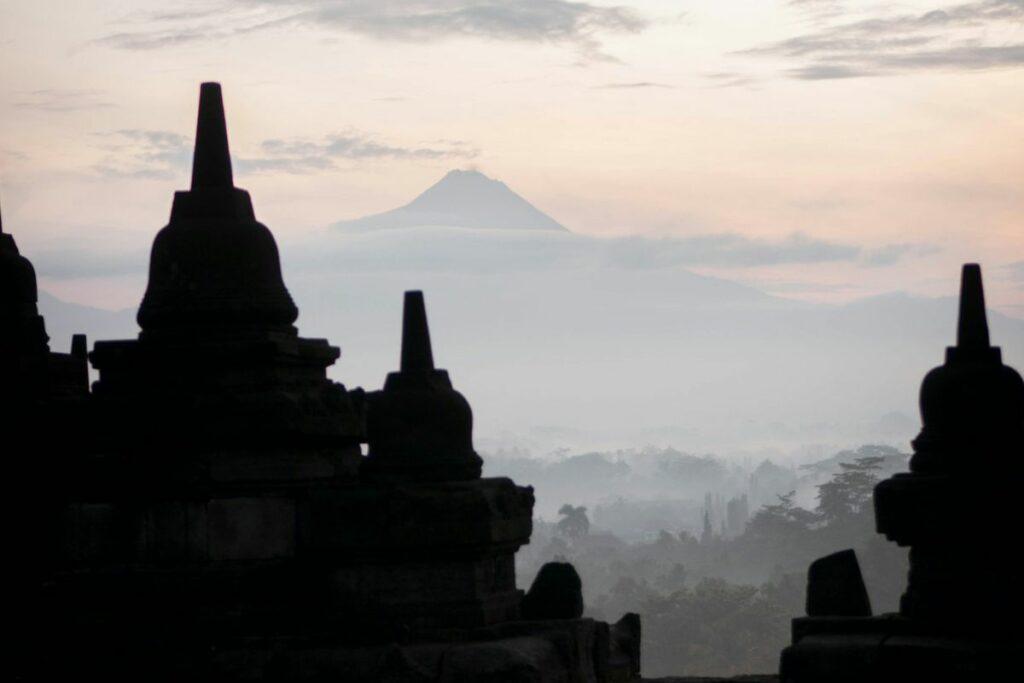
767 120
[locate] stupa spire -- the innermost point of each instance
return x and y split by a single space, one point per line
211 160
416 351
972 331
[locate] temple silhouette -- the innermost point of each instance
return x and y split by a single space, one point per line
957 511
204 510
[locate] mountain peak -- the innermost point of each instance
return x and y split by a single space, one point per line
467 174
464 199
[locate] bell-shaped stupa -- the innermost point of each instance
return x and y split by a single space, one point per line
29 371
214 267
957 511
18 293
973 403
954 508
219 369
23 339
419 427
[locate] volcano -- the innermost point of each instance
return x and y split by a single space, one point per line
464 199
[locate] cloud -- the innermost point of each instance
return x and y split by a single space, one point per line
631 86
891 254
60 100
560 22
304 156
12 154
825 72
158 154
727 250
440 249
730 79
806 287
972 36
141 153
820 10
465 250
1015 271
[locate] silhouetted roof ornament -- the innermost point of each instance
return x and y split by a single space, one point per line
214 266
417 356
419 428
211 158
973 403
972 328
18 292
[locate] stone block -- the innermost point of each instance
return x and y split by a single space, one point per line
556 593
835 587
251 528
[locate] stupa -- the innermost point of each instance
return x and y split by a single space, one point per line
956 509
218 370
29 370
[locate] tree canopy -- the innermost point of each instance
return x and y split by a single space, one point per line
574 522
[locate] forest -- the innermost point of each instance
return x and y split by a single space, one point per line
716 577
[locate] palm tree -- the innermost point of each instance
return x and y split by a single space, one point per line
574 522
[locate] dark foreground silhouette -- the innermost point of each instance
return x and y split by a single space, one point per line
205 512
956 509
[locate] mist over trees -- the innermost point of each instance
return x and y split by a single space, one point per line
711 554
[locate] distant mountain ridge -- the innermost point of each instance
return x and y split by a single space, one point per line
64 319
463 199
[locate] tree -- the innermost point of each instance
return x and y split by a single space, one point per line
784 519
706 535
672 580
574 522
847 496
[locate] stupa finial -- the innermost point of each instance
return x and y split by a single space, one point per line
972 331
211 161
416 352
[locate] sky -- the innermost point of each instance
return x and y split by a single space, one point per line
845 149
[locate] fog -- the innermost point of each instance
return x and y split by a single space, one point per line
712 554
564 341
